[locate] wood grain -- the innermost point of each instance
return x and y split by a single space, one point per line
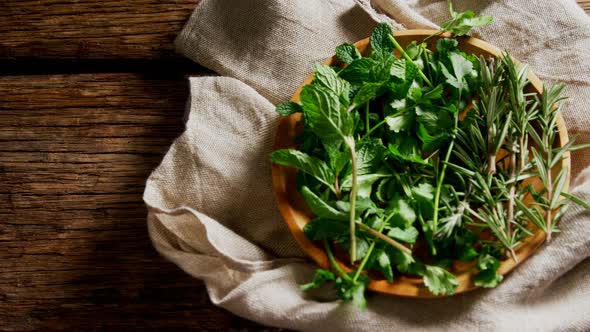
75 151
91 29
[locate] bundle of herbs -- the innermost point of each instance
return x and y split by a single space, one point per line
412 163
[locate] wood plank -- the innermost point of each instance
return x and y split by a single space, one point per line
75 151
91 29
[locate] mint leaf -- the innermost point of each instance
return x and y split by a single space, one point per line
380 43
327 77
367 92
338 158
359 71
325 229
306 163
319 207
439 281
324 114
364 183
408 235
320 278
287 108
369 155
347 53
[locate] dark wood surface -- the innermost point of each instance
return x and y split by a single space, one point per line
91 96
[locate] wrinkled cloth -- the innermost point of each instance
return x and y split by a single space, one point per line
211 204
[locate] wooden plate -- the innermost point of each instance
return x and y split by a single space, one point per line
296 213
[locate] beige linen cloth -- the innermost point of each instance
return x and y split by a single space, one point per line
211 206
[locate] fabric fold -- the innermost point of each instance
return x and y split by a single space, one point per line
211 207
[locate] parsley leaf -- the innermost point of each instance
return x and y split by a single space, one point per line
439 281
320 278
488 276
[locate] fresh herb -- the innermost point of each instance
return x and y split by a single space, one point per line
387 165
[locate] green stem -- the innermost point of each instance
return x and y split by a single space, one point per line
374 128
407 57
352 224
441 178
334 263
366 258
367 118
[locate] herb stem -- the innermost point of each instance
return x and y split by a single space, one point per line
361 267
367 118
548 216
441 178
385 238
399 48
334 263
352 222
381 123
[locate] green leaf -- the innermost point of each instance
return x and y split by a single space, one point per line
306 163
446 45
398 69
380 43
320 278
364 183
319 207
323 113
359 71
408 235
325 229
487 279
338 158
424 191
462 23
461 68
439 281
576 200
287 108
369 156
382 263
347 53
412 156
400 121
366 93
402 260
488 276
401 213
355 292
328 78
431 142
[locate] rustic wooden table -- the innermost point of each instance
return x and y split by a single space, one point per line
91 96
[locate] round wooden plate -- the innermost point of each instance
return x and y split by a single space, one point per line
296 213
